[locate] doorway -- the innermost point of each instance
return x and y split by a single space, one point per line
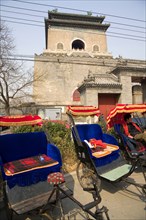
106 102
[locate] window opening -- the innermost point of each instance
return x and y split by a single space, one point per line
76 96
96 48
60 46
78 44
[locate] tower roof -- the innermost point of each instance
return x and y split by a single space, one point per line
67 16
76 21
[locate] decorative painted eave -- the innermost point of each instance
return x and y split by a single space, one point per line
76 24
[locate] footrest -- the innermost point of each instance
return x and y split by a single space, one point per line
117 173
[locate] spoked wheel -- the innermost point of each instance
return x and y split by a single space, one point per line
86 176
144 189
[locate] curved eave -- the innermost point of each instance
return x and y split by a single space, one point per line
77 24
76 17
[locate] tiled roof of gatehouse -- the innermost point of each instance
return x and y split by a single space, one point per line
100 80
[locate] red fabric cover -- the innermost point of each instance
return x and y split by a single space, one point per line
19 120
97 143
116 115
83 110
56 178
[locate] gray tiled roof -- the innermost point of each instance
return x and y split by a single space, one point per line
100 80
106 79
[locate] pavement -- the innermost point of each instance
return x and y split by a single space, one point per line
124 201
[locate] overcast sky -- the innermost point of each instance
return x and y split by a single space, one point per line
125 37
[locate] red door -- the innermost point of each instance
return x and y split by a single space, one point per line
106 102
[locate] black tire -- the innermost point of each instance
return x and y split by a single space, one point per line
87 177
144 189
102 216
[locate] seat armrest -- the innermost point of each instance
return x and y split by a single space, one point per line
54 152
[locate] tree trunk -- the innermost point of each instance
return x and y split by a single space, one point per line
7 110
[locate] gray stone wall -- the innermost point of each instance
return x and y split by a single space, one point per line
60 75
91 97
126 94
59 79
144 90
137 94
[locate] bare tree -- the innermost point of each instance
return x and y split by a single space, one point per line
15 83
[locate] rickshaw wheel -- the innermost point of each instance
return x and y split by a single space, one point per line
87 177
100 216
144 188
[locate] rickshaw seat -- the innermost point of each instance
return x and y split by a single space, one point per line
128 142
15 147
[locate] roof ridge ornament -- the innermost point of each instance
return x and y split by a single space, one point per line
90 77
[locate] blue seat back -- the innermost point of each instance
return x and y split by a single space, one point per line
117 128
127 143
88 131
22 145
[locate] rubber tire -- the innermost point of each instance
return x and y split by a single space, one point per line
144 189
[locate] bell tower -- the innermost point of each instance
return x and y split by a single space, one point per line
67 33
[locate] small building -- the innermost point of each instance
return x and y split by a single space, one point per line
76 68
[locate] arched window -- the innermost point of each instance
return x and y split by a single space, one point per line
95 48
60 46
76 96
78 44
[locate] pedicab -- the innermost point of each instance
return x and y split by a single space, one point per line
130 147
101 161
84 115
28 164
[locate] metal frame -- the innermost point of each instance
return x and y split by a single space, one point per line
61 194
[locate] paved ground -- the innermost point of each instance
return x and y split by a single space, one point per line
125 202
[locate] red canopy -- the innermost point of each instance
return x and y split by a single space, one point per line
116 115
83 110
19 120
